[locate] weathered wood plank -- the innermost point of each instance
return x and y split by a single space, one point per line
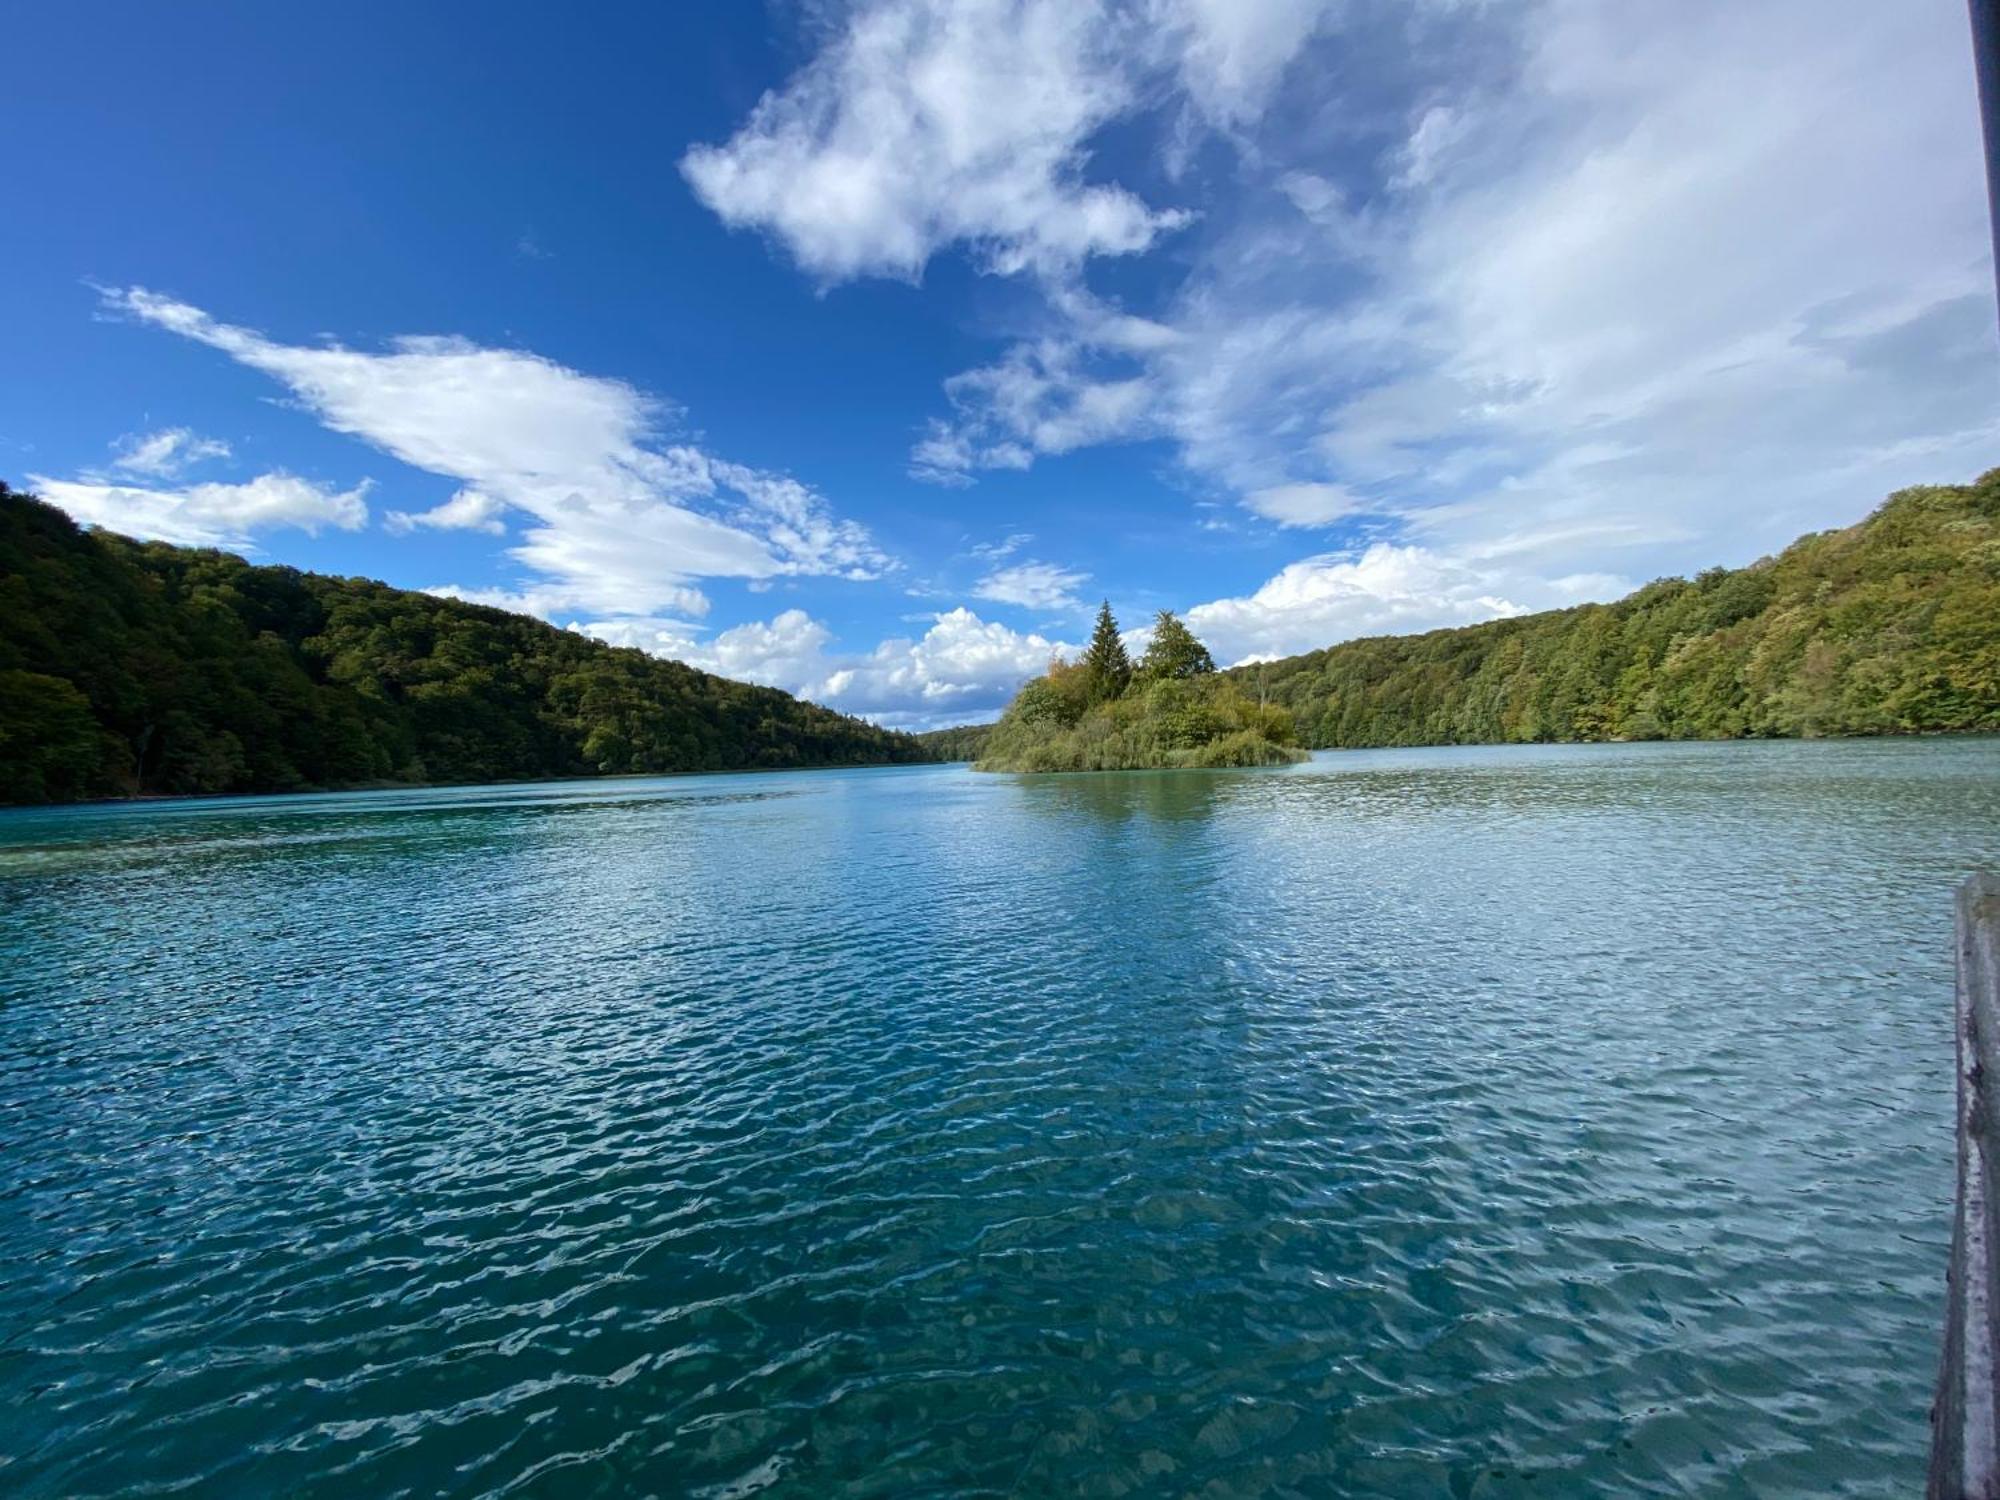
1965 1418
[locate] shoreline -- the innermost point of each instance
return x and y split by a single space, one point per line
133 798
871 765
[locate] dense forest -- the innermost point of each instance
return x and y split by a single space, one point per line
1890 626
130 667
1104 712
961 742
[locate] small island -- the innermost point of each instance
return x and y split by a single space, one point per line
1172 710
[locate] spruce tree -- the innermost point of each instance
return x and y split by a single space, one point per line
1105 660
1174 652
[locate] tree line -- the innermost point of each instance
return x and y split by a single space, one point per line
129 667
1890 626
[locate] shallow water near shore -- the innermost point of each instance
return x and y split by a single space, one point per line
1514 1121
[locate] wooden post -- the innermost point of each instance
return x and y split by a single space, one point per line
1965 1417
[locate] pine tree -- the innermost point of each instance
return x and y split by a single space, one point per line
1105 660
1174 652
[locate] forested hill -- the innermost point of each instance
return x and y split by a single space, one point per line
129 667
1891 626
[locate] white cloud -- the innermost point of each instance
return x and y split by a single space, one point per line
1614 290
788 651
948 454
1231 54
1313 504
928 123
1576 294
1032 585
1638 304
1007 546
962 669
554 601
167 453
210 515
1316 601
1042 397
1440 129
468 510
620 521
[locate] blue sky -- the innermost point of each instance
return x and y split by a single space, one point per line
861 348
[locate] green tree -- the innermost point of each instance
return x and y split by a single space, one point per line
1177 722
50 747
141 667
1174 652
1889 625
1107 666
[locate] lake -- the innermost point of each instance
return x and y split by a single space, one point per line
1473 1122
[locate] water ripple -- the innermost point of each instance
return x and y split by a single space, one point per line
1496 1123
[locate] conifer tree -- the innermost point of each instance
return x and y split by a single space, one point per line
1174 652
1105 660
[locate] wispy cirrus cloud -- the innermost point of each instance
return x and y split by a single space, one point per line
620 519
1033 585
468 510
1305 503
166 453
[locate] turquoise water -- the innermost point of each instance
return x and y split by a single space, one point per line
1538 1121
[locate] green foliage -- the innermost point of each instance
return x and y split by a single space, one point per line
1174 651
1177 715
1887 627
130 667
48 740
967 742
1106 666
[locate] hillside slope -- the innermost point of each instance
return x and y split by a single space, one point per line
1890 626
964 742
130 667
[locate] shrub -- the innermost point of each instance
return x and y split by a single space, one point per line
1174 714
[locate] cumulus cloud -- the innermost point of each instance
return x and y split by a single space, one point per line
928 123
1384 589
167 453
619 521
210 515
962 669
1032 585
787 651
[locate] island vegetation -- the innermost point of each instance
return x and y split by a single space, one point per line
130 668
1889 626
1103 712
